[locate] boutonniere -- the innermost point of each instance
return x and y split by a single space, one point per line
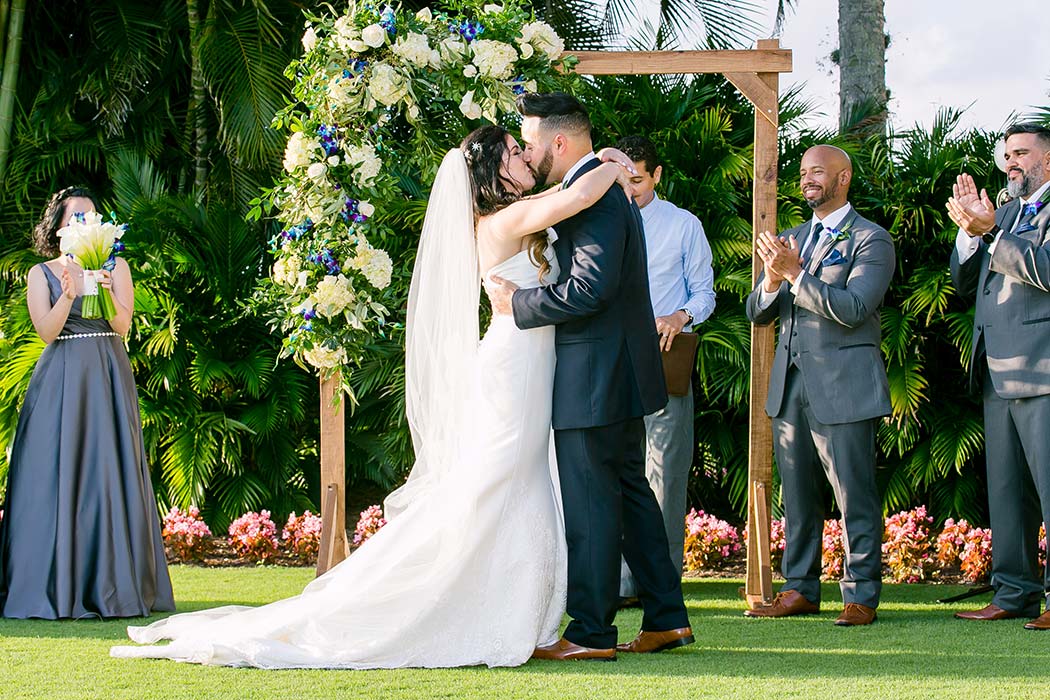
840 234
1032 208
835 257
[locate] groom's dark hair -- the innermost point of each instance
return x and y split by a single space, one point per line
556 110
1041 132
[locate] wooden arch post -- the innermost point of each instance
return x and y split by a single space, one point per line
756 74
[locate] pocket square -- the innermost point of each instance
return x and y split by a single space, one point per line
834 258
1025 228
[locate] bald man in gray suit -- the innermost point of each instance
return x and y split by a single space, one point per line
826 280
1002 260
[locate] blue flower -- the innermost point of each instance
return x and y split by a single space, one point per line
518 87
388 21
1032 208
118 246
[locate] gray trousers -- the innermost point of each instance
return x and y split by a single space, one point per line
668 461
1017 444
808 450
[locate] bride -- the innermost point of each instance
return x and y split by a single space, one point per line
471 567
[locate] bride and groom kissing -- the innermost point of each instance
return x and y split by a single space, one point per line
498 532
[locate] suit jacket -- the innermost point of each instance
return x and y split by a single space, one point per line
1012 290
831 327
608 355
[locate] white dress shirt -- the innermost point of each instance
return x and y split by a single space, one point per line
967 245
680 274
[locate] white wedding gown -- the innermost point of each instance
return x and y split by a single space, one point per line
472 571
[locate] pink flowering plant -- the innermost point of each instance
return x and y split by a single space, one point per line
832 551
254 536
186 534
1042 545
907 546
975 560
368 524
301 535
708 540
951 541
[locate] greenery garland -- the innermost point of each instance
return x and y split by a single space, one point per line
380 93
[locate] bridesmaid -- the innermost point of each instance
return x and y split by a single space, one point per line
80 536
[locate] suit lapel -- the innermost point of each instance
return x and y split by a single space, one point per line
828 242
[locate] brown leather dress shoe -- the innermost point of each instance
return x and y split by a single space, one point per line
564 650
652 642
989 612
856 614
785 604
1040 623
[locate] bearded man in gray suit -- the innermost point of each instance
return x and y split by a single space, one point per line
826 280
1002 259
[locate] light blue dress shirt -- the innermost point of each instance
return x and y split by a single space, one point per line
680 274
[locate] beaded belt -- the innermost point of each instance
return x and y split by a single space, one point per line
104 334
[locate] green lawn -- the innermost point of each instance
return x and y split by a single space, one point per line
915 650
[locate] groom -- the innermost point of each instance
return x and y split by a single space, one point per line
609 375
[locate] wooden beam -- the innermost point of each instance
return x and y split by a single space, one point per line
760 434
755 89
334 547
761 60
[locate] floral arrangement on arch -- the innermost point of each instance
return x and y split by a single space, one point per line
380 94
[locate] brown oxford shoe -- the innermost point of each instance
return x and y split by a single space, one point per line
1040 623
989 612
855 614
652 642
564 650
785 604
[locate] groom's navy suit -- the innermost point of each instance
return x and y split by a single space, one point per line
608 376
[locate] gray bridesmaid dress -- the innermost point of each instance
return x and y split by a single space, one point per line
80 535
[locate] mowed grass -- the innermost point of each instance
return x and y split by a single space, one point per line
915 650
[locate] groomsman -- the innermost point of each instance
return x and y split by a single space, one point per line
681 284
1002 259
826 280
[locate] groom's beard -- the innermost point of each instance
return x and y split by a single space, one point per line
542 169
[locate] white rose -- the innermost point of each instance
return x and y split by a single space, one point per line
413 113
543 37
333 161
357 46
316 171
309 39
470 108
492 9
424 15
366 208
373 35
530 86
526 50
470 70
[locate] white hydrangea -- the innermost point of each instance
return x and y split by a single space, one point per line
344 94
494 59
332 295
367 165
298 152
492 9
316 171
543 38
470 108
374 35
387 86
374 264
286 270
325 358
414 49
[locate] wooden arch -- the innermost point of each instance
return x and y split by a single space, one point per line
756 74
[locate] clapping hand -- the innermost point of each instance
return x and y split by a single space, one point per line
500 293
780 259
69 281
974 213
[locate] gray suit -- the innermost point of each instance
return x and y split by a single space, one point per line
827 387
1011 354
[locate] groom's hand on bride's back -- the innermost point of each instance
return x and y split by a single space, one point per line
500 293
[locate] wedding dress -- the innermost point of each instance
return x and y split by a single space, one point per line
471 568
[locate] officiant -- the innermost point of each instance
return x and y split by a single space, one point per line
681 283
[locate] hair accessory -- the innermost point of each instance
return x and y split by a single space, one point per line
476 146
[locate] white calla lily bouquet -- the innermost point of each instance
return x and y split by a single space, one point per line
93 244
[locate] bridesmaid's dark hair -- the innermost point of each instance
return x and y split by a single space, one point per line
484 149
44 239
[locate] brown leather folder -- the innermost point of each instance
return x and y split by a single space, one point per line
679 362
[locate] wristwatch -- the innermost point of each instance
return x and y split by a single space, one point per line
989 237
688 315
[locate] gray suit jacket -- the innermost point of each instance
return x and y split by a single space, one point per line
833 324
1012 319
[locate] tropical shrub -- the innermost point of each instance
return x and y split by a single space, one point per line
368 524
708 541
301 536
908 546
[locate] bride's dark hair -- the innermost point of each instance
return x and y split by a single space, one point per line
485 150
